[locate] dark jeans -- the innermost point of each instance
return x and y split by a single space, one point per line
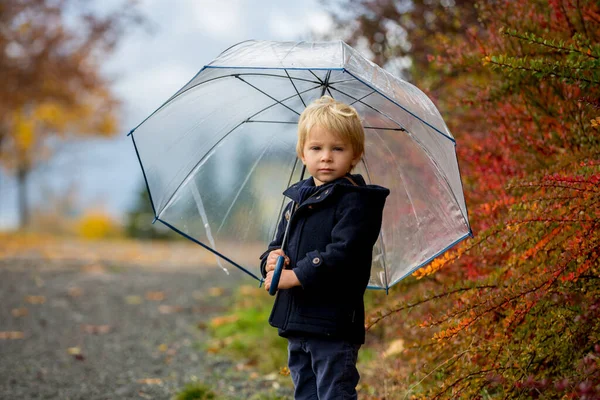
323 369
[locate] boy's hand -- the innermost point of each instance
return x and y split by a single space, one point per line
272 259
287 280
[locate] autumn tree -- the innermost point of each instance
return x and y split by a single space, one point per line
50 62
514 312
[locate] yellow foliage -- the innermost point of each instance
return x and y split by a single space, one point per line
97 225
438 263
24 133
51 114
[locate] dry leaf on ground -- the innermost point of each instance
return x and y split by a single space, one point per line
12 335
35 299
19 312
96 329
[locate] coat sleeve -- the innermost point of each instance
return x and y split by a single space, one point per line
352 240
276 243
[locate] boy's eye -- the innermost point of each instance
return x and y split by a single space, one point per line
315 148
338 148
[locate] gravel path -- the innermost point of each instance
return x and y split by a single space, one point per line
101 332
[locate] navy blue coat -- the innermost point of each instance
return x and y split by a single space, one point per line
330 247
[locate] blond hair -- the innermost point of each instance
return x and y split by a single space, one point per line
338 117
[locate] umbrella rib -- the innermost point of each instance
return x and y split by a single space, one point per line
274 104
273 122
431 158
185 235
364 163
370 106
405 109
295 88
168 203
144 174
315 75
401 176
344 81
216 144
268 95
386 129
365 96
326 83
319 83
402 129
242 187
282 207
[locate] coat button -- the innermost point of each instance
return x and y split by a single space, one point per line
316 260
310 207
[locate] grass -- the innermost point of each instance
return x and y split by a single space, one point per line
245 334
196 391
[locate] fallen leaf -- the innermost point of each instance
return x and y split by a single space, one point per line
94 268
164 309
96 329
150 381
201 325
396 347
19 312
216 291
74 351
270 377
247 290
35 299
75 292
218 321
155 296
163 347
12 335
134 299
285 371
39 282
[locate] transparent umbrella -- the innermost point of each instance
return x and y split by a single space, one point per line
218 154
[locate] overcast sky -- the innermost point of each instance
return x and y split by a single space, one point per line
148 68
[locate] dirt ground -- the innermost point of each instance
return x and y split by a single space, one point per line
99 328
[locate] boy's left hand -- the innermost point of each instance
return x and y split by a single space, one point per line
287 280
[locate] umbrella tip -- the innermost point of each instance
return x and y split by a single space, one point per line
130 132
155 219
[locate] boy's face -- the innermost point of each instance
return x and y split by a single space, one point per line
327 156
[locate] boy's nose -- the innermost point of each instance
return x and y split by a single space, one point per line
326 156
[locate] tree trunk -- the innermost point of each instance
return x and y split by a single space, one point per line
22 174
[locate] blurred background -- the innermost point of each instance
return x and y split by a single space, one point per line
78 76
512 313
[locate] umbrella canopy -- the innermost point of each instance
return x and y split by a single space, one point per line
218 154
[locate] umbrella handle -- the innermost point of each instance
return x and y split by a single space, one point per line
276 275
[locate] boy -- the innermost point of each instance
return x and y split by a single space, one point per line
334 223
